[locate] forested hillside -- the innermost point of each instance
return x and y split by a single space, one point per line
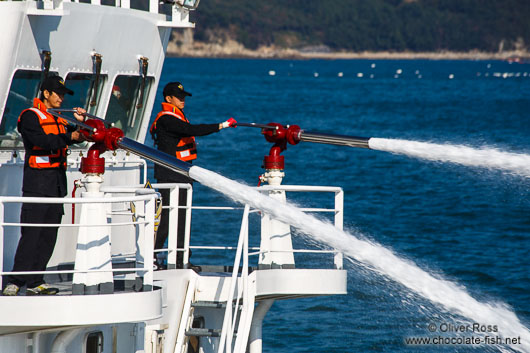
368 25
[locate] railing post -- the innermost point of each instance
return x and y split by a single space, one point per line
153 6
339 221
339 209
338 261
140 244
172 227
149 242
1 241
187 230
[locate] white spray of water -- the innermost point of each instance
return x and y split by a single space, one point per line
448 294
483 157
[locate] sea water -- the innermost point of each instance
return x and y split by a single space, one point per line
466 225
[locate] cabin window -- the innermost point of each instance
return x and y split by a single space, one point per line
94 342
86 93
24 87
125 109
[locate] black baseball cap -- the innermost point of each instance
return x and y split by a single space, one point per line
175 89
55 84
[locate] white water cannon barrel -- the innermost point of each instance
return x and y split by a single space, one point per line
332 139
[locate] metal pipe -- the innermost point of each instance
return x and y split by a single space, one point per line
88 115
261 126
64 338
155 156
257 325
56 112
331 139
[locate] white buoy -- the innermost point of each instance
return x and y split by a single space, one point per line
396 76
372 66
340 74
419 76
451 76
360 74
272 73
417 72
399 71
489 66
372 76
315 74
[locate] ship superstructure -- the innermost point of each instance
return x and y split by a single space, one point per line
112 300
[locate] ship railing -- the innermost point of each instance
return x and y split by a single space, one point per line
243 296
143 238
173 219
337 212
174 190
240 290
179 8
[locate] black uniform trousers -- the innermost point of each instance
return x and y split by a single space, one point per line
163 228
36 244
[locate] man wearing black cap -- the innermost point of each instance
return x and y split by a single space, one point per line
46 139
174 135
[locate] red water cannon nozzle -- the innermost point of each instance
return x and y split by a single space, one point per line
279 135
105 139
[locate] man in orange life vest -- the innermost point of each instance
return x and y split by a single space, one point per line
46 139
174 135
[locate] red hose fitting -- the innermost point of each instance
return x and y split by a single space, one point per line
99 134
280 136
274 160
112 137
293 134
93 163
105 139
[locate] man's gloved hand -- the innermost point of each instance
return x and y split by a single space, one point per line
229 123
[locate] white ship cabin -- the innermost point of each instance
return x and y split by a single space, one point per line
111 299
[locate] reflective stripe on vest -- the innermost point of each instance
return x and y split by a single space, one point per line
186 147
44 159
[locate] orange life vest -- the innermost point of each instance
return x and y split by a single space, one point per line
186 147
39 157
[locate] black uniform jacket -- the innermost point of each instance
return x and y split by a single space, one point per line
46 182
169 130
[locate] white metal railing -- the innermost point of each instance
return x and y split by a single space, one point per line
173 219
337 210
145 206
173 249
240 291
231 311
179 9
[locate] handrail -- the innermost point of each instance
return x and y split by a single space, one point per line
70 200
144 250
227 331
172 248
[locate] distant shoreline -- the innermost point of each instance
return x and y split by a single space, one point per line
236 50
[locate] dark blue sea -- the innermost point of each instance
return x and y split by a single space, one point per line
465 224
